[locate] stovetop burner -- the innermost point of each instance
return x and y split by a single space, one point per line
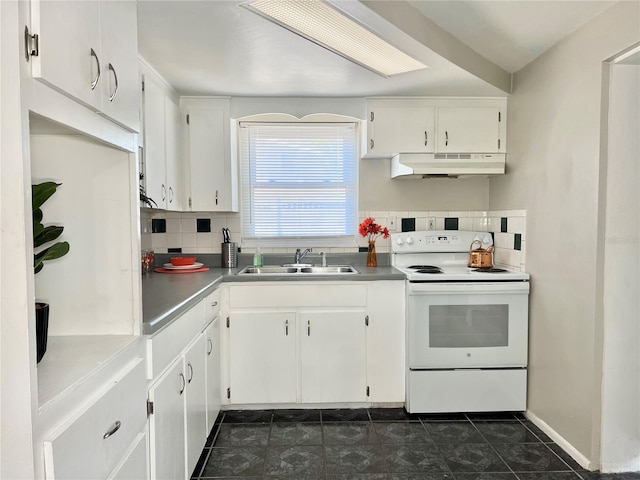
489 270
425 269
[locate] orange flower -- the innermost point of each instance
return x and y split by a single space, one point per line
369 228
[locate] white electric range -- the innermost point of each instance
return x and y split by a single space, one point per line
467 328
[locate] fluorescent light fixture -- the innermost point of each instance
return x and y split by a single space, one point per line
330 28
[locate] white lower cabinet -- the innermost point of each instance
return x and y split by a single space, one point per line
167 425
313 343
182 392
214 394
195 402
332 357
93 442
262 349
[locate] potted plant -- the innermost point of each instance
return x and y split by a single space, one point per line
44 251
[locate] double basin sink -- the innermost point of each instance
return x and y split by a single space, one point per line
300 269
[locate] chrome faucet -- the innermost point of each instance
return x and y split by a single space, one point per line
300 255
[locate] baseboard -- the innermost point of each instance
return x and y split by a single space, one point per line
583 461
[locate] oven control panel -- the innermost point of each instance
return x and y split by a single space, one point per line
437 241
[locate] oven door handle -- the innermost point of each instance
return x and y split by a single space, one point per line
467 288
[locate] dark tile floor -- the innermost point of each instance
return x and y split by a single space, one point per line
383 444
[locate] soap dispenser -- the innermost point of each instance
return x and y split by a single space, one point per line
257 258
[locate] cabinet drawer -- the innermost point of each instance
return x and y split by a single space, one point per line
291 296
166 345
92 443
211 306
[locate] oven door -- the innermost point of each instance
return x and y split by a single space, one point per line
467 325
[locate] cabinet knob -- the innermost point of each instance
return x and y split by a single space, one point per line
190 367
210 347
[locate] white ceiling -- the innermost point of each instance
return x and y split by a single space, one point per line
216 47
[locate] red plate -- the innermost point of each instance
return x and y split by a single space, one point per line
193 270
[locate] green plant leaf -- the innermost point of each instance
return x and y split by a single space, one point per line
56 250
47 234
41 192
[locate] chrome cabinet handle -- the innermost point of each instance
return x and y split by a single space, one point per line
190 367
115 77
184 384
112 430
426 138
164 192
446 138
308 328
210 346
170 194
216 197
286 327
95 81
371 144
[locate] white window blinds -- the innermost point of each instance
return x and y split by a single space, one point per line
299 180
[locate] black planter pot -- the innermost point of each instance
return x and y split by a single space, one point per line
42 326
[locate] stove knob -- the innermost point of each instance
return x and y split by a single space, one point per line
409 240
399 241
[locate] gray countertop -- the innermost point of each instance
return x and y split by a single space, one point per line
167 295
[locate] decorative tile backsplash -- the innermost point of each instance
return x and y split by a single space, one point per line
202 232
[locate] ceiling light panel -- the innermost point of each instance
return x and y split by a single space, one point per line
330 28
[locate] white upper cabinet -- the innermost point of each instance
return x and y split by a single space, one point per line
470 130
213 172
435 125
88 51
162 146
409 129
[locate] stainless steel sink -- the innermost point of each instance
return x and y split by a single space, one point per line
288 270
329 270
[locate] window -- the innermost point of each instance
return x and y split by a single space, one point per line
299 180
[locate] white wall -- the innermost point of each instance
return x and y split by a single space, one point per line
554 153
621 355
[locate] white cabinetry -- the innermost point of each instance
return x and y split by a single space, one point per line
470 129
166 424
262 348
404 129
436 125
182 359
297 343
195 402
212 166
87 50
93 442
162 143
332 357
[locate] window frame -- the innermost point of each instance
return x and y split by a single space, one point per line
346 241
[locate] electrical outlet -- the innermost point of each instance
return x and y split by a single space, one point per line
393 223
431 223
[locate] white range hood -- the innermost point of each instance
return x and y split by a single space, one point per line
425 165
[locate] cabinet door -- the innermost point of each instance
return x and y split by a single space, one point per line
394 129
196 407
173 158
167 425
469 130
332 357
68 32
262 358
154 143
214 396
119 42
213 179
